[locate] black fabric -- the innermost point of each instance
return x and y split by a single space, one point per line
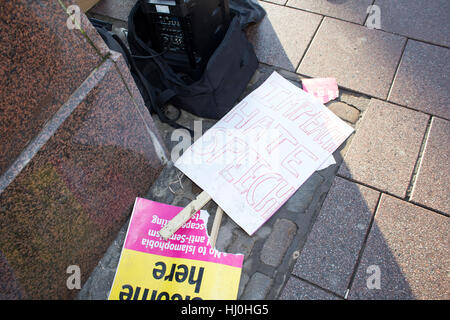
248 11
225 77
153 99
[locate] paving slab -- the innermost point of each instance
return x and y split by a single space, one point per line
385 148
332 248
297 289
360 59
282 37
410 246
422 80
351 10
417 19
431 187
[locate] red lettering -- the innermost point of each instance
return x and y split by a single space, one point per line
294 160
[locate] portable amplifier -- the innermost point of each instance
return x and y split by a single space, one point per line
186 32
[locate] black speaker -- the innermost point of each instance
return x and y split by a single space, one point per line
186 32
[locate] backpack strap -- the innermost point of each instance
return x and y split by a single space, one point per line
157 100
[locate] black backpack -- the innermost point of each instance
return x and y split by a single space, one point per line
223 80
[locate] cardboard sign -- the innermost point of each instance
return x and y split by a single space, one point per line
324 89
263 150
185 267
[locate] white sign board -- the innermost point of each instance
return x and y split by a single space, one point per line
263 150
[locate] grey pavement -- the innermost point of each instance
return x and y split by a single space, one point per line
376 224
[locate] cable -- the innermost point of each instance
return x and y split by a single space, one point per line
150 57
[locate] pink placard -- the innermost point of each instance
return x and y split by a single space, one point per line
324 89
191 241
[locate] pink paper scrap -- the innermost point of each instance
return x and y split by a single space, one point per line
324 89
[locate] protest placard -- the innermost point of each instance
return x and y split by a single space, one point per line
186 267
253 159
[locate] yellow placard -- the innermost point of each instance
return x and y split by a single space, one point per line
144 276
